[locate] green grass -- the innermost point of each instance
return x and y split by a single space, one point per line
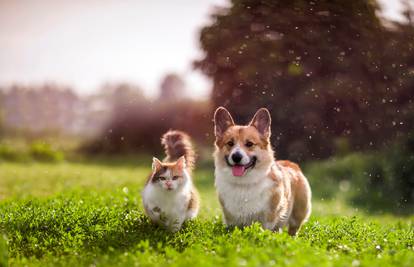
90 214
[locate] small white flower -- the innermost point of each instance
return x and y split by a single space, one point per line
125 190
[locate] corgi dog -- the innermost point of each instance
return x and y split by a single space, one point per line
251 185
169 196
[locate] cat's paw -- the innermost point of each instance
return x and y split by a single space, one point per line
156 209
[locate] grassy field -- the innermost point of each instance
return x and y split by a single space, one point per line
90 214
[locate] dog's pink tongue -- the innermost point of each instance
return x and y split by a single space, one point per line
238 170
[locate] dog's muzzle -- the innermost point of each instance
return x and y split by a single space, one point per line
240 169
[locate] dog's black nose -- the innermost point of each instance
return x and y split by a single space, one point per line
236 157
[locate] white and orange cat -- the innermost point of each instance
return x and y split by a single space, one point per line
169 196
251 185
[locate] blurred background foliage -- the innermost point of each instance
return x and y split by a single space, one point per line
337 78
325 69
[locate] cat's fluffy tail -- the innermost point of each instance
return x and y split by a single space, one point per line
177 144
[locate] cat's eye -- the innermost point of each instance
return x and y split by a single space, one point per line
161 178
230 143
249 144
175 177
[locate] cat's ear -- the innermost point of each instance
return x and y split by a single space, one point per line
181 164
156 164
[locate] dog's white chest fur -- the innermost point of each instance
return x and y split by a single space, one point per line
245 198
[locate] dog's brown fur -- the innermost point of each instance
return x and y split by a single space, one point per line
287 189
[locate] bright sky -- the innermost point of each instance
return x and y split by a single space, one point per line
86 43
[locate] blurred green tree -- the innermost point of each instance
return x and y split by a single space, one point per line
326 69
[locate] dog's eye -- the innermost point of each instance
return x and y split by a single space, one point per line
230 143
175 177
249 144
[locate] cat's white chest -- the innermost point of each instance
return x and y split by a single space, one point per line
170 205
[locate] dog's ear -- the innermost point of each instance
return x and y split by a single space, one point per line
222 121
261 121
